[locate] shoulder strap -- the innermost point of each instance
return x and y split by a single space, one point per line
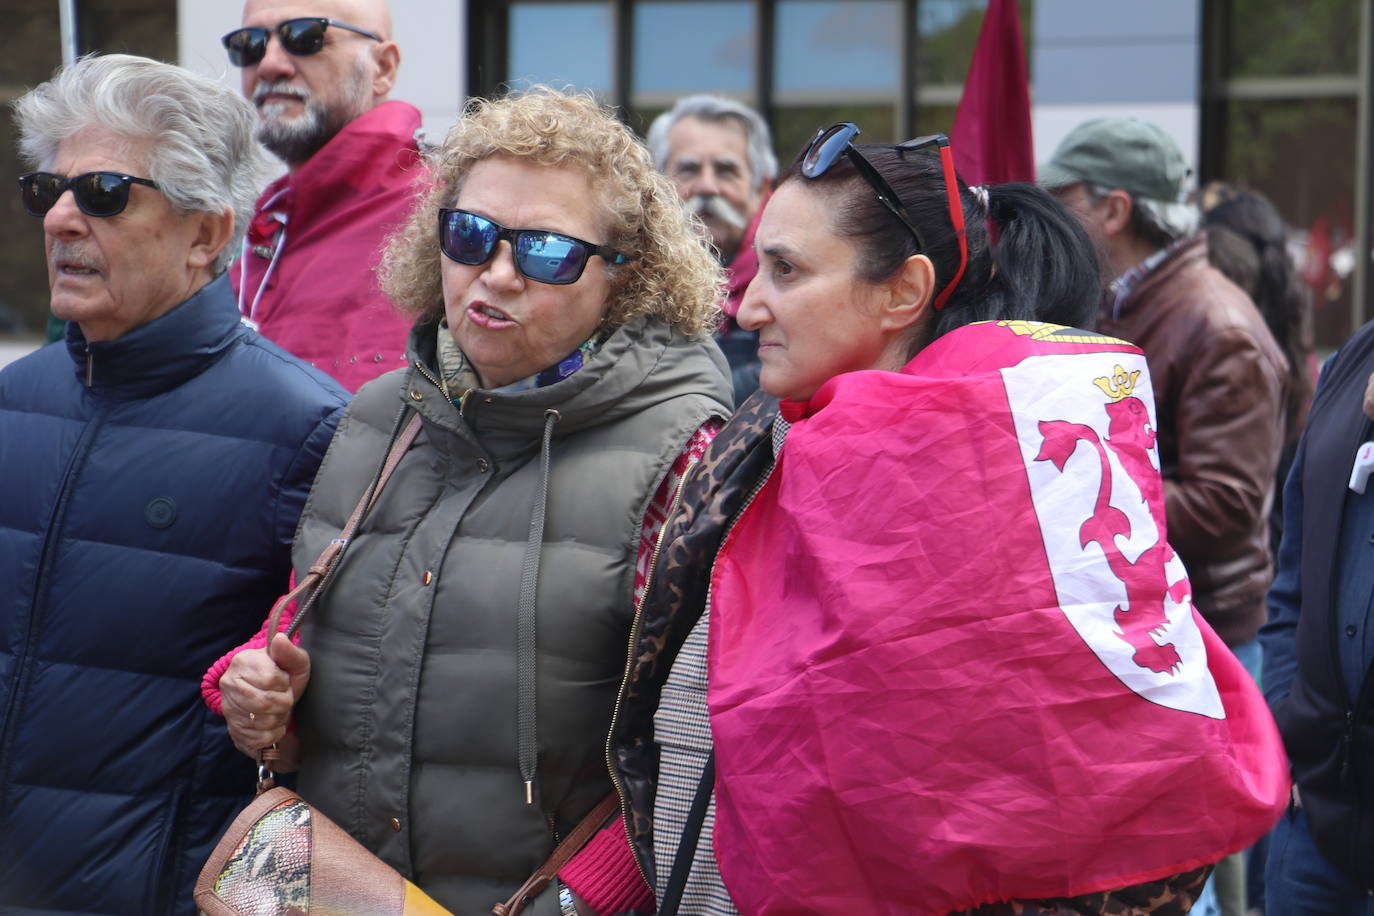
321 572
544 875
687 846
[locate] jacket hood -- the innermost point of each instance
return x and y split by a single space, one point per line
643 362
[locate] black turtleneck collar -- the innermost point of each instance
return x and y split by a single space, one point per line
162 354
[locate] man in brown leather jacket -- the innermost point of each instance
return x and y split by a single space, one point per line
1219 376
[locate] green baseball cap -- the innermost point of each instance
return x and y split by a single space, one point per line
1125 153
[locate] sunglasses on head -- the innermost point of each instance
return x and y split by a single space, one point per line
300 37
96 193
830 142
548 257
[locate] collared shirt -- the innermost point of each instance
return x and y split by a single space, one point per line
1120 289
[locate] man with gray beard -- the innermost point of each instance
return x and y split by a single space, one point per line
319 73
719 155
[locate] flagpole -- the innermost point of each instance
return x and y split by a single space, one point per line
67 14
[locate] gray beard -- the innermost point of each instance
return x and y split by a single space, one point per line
295 141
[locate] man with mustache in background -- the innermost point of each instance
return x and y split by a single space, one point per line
319 73
719 155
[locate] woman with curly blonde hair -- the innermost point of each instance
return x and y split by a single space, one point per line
464 662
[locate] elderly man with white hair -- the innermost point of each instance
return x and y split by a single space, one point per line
154 466
719 155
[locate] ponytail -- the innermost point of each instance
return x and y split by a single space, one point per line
1247 241
1043 265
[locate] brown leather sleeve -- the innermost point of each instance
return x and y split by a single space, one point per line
1229 431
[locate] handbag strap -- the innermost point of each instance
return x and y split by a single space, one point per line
321 572
544 875
691 836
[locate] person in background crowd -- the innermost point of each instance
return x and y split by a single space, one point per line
154 468
1220 379
562 367
719 155
1248 241
853 687
319 74
1319 650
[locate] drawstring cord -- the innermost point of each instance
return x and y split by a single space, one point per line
526 619
244 248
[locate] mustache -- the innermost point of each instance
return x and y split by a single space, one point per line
716 206
280 87
75 254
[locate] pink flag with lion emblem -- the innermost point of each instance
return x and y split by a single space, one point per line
953 658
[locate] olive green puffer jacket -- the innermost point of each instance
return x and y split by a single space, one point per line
426 711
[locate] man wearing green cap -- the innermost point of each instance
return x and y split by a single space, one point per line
1219 377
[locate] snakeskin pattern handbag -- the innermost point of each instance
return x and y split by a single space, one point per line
280 857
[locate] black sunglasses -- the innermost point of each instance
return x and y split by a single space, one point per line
96 193
548 257
300 37
830 142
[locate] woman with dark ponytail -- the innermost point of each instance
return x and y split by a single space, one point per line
1248 241
913 640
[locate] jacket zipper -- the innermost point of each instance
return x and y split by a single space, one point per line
41 586
90 367
462 398
629 668
634 637
710 588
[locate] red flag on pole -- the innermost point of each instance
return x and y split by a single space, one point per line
991 138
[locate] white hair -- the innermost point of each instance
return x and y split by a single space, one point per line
203 154
1177 218
763 165
1158 222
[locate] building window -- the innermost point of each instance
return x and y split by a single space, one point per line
895 67
836 61
1280 113
561 44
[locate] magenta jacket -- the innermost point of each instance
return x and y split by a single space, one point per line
307 275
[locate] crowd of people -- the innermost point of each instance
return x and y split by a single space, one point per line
827 538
